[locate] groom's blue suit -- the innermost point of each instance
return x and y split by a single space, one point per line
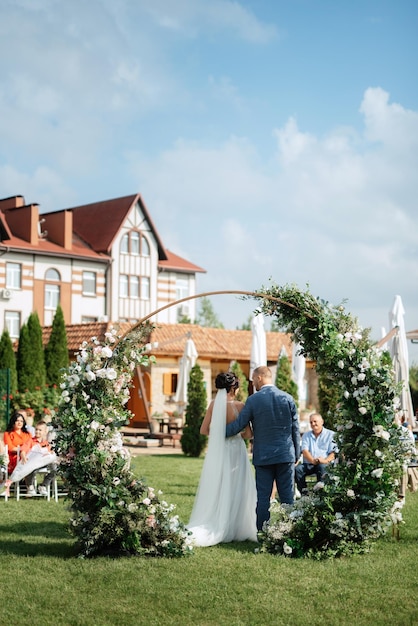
276 446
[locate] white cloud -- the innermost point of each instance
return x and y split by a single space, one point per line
332 213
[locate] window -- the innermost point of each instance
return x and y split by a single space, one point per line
52 296
134 286
182 288
169 384
12 323
86 319
52 292
145 288
134 242
89 283
13 275
123 286
52 274
124 244
145 249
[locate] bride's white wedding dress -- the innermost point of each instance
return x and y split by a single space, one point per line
224 507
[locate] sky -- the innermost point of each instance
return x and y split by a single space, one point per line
271 140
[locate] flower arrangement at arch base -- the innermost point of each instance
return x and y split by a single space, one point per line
113 512
359 501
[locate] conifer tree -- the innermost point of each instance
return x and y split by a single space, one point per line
56 352
284 379
192 442
24 360
8 359
242 393
38 378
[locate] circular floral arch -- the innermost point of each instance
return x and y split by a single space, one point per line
113 512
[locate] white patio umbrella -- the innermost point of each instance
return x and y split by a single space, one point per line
187 361
258 354
399 353
298 372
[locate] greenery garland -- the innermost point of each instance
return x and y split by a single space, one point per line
359 501
112 512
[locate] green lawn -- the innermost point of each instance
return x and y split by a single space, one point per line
42 582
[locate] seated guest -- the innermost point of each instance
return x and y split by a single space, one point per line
38 456
17 437
318 450
41 438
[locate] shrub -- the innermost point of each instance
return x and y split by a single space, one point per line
192 442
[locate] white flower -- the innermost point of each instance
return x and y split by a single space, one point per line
378 453
90 376
377 473
287 549
346 394
146 501
132 507
361 376
349 425
340 364
350 493
116 480
362 410
107 352
111 374
94 425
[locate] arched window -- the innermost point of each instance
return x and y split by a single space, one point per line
52 289
52 274
134 242
145 249
124 244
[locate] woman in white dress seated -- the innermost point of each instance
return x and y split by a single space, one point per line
224 507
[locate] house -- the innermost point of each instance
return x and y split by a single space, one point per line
154 387
99 261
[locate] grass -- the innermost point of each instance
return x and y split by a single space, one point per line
44 583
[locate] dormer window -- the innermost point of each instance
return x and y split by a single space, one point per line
134 243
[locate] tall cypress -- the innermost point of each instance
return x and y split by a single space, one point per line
8 359
38 376
192 442
284 379
56 352
24 360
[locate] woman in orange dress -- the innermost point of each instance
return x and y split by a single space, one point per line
17 437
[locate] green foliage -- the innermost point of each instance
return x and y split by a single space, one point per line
24 360
242 393
30 356
192 442
112 512
56 352
284 379
37 352
8 359
328 396
39 403
413 384
359 501
206 315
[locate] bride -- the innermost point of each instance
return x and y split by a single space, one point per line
224 507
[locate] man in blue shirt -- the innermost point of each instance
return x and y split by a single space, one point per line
318 450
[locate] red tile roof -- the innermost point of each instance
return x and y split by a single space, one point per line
98 223
170 340
178 264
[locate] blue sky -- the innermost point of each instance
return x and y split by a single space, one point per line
268 138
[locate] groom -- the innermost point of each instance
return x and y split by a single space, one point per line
276 445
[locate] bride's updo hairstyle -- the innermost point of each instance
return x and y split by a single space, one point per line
226 380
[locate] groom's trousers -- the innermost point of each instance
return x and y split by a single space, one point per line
283 474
